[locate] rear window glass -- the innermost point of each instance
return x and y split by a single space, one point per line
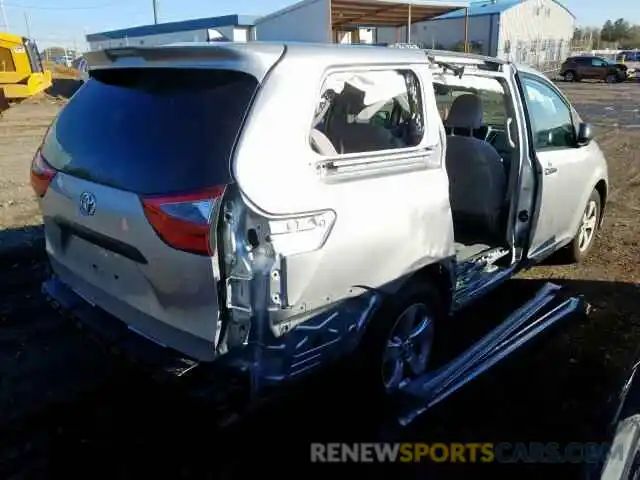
490 91
152 131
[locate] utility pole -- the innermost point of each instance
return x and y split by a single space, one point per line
27 24
155 11
466 30
5 22
409 24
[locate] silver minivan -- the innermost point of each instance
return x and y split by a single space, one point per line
277 206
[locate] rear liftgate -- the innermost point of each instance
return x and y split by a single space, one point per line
547 307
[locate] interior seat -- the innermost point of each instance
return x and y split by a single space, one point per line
348 136
321 143
462 106
477 180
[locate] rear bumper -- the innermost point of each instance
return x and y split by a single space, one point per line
114 333
131 318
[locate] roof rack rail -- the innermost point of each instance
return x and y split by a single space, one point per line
404 45
469 60
458 70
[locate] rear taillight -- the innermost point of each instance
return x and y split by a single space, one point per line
184 221
41 174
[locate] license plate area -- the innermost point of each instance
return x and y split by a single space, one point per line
100 267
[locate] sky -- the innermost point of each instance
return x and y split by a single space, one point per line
66 22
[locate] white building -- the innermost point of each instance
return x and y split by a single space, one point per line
238 28
526 31
341 21
348 21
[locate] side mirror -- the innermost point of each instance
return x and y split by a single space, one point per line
585 134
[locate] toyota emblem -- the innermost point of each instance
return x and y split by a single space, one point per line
87 203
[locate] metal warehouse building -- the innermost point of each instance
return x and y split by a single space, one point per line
238 28
343 21
526 31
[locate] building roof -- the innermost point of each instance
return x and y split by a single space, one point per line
351 13
172 27
490 7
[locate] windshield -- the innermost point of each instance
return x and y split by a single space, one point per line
34 57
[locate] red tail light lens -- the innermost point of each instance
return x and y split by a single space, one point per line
41 174
184 221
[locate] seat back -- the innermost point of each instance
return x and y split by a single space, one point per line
346 134
477 180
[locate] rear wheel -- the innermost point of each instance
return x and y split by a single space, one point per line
570 76
397 346
582 243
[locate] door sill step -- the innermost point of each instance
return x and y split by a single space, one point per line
550 305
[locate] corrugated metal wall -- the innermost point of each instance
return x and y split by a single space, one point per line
447 33
536 32
305 22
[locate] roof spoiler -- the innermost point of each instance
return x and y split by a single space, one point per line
165 53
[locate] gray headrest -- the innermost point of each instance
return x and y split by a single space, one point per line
465 112
350 100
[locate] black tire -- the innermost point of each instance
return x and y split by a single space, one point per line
612 78
576 252
570 76
375 340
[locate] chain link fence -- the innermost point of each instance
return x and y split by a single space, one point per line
543 55
548 55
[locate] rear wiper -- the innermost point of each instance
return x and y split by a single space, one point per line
459 71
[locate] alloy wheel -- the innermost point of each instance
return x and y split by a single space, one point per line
588 225
409 347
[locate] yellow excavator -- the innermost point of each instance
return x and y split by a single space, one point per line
21 71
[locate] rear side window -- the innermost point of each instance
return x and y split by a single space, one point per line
368 111
152 131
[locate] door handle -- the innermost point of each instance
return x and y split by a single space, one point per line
550 170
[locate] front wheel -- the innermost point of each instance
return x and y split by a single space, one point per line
612 78
398 344
582 243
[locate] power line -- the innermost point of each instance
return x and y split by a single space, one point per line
87 7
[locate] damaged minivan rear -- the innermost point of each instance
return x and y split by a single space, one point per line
130 177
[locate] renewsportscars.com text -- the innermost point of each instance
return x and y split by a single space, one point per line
502 452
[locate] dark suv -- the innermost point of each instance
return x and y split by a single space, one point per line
575 69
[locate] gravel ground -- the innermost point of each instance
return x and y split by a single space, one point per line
68 408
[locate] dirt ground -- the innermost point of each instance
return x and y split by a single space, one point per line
69 408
